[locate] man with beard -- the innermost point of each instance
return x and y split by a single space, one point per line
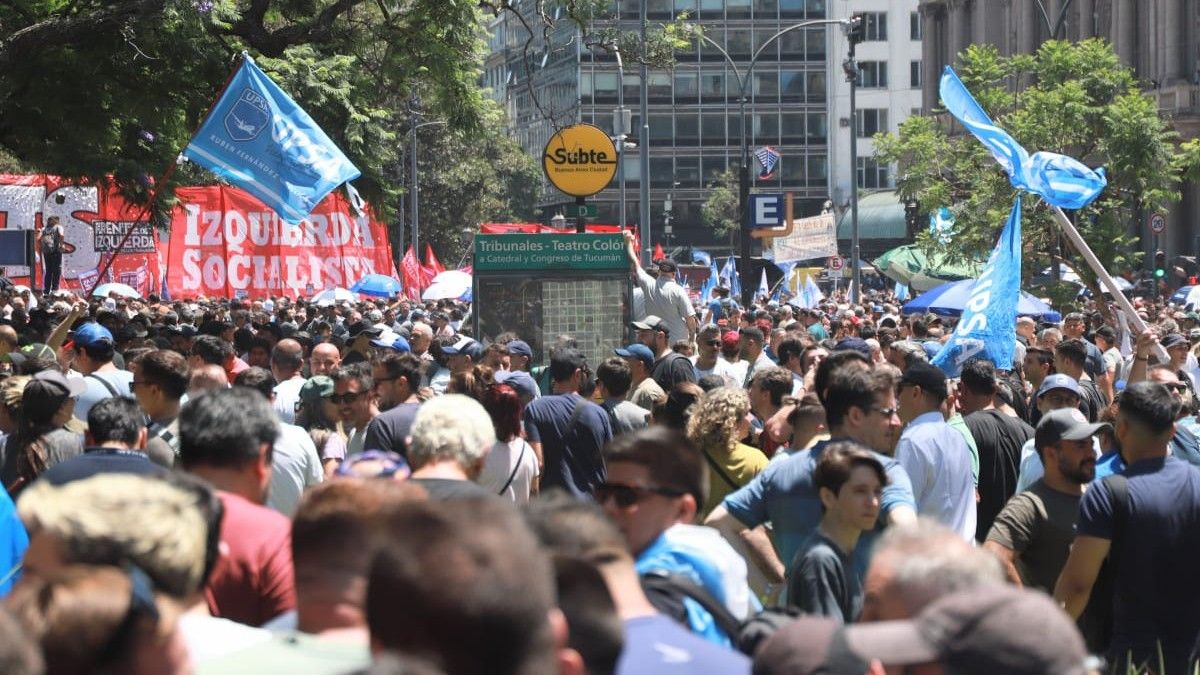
1032 535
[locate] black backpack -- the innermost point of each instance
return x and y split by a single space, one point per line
666 592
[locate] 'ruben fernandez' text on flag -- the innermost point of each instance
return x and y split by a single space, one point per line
257 138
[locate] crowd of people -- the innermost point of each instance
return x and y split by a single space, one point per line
269 485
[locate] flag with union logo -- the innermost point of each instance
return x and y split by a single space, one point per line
257 138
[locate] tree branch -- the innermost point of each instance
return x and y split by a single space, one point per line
59 30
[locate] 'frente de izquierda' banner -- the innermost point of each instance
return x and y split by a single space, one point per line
223 240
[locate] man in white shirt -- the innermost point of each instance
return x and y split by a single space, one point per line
287 362
934 455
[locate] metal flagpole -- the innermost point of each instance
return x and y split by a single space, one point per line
162 180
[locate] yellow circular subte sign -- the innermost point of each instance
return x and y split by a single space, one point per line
580 160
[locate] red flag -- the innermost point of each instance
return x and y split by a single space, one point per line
432 261
410 274
658 253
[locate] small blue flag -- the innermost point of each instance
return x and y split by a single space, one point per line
729 274
1060 180
941 224
714 277
988 325
701 257
257 138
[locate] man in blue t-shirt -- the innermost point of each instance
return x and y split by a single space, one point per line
566 431
1154 549
860 406
653 644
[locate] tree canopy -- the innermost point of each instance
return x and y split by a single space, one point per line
1071 98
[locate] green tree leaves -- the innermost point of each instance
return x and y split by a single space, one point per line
1071 98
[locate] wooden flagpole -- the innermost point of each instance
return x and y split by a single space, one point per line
1104 277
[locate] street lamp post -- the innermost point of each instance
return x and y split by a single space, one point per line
748 285
644 144
850 67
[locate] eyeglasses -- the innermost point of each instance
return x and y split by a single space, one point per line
714 343
339 399
886 412
1177 386
628 495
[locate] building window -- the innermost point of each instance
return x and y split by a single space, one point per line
871 174
872 121
873 74
687 172
914 26
874 26
914 74
712 128
687 129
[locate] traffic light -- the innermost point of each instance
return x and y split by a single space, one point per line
1160 264
856 31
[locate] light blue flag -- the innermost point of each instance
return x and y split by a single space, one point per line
764 289
714 277
901 292
786 268
810 294
1060 180
941 224
701 257
988 325
729 274
257 138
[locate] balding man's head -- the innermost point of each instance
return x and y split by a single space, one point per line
205 378
8 339
325 359
287 358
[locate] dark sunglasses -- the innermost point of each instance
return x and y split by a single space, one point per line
339 399
628 495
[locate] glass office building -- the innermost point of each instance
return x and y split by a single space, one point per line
693 108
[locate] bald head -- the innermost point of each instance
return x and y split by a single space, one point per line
205 378
325 359
287 358
8 339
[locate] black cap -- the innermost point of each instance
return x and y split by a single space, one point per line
930 378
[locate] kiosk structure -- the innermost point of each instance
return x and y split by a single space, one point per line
543 286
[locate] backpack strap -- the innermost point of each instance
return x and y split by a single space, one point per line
512 476
712 463
112 391
666 585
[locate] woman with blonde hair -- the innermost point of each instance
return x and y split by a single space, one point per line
718 423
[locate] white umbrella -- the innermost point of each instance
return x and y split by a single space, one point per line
448 285
103 291
331 296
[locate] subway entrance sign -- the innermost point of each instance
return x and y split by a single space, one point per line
580 160
508 252
543 286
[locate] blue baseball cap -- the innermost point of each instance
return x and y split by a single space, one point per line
521 381
1059 381
390 340
89 334
637 350
521 348
467 347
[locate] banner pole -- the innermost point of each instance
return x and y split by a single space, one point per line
1103 276
162 180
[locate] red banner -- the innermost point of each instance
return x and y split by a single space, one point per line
432 262
410 275
225 242
94 219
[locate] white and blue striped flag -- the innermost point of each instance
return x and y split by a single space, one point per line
1060 180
